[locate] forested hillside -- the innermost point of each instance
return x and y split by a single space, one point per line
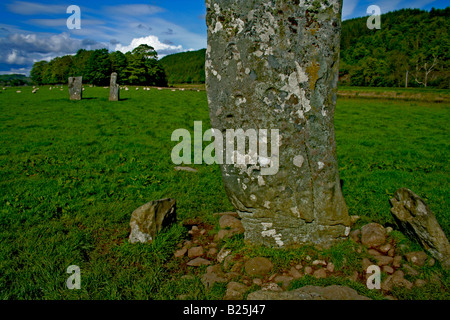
185 67
412 49
138 67
411 42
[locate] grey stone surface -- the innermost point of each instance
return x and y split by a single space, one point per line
333 292
75 88
373 235
274 65
114 88
416 219
149 219
258 266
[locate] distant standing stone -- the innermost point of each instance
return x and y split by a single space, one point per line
114 88
75 88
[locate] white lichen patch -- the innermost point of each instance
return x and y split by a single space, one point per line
266 225
347 231
261 181
218 27
267 204
239 101
320 165
295 211
298 161
271 233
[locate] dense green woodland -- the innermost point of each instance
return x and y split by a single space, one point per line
14 80
412 49
410 41
138 67
185 67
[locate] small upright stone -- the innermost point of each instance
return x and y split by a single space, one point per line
75 88
114 88
149 219
416 219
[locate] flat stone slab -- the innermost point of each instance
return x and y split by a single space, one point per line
333 292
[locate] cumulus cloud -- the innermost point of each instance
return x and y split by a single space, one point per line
161 48
348 8
22 50
24 71
33 42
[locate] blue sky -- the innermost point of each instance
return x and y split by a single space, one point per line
31 31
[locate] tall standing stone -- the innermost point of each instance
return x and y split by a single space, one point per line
75 88
113 88
273 64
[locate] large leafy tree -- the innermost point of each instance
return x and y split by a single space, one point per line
118 64
37 72
144 68
98 68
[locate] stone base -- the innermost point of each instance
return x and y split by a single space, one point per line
284 232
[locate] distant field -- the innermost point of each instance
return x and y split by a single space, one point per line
407 94
410 94
72 173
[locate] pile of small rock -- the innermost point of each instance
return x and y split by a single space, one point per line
240 274
385 254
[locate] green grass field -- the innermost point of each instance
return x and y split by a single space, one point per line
73 171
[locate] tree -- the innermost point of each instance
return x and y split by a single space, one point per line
37 72
143 67
427 68
98 68
118 64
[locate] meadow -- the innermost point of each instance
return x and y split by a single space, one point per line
73 171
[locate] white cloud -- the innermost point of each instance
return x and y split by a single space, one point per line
63 22
21 49
24 71
133 9
161 48
419 3
349 7
388 5
15 58
30 8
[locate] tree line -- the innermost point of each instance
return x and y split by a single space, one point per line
185 67
412 48
138 67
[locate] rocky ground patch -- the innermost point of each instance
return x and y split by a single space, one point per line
215 256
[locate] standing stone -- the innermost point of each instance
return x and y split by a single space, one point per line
416 219
75 88
273 65
114 88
